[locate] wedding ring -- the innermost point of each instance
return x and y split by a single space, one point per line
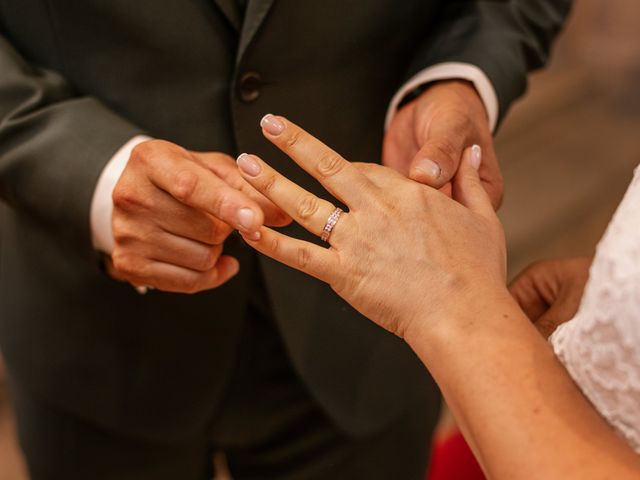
331 222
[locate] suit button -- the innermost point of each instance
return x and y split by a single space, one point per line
249 86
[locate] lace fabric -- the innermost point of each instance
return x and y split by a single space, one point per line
600 346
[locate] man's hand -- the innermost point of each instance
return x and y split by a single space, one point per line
427 137
550 292
173 209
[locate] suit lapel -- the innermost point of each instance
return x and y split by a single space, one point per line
230 10
257 11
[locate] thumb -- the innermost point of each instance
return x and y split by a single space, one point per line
436 162
467 187
559 313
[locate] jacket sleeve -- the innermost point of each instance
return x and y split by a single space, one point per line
506 39
53 146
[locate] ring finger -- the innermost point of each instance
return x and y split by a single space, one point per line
305 208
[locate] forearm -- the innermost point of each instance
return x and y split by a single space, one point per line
522 413
53 146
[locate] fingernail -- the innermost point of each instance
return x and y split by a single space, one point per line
476 156
253 236
431 168
246 216
272 125
248 165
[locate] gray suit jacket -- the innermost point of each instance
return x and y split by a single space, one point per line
79 78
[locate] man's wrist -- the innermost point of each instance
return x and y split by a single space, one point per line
450 71
465 91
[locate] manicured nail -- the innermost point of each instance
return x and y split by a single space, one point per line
272 125
476 156
431 168
248 164
253 236
246 217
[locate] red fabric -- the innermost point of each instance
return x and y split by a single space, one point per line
452 460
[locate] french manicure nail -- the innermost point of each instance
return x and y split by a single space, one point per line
248 165
253 236
431 168
246 216
272 125
476 156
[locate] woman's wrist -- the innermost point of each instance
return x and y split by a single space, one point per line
461 322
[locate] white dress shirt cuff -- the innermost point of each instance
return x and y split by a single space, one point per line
102 202
450 71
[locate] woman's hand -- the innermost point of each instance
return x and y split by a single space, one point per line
404 251
549 292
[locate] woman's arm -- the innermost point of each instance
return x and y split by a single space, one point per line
432 270
515 403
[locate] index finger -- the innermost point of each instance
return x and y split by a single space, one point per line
336 174
173 171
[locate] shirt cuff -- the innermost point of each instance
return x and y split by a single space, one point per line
450 71
102 202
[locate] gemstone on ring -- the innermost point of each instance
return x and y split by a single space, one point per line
331 222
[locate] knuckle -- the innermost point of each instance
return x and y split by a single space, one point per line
418 190
123 263
274 245
445 150
268 184
207 259
121 236
308 206
293 139
367 168
330 164
122 231
191 284
142 151
185 186
303 257
127 198
150 147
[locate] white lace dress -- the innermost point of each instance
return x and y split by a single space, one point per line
600 346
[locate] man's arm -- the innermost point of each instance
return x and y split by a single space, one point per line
54 144
161 211
445 110
505 39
